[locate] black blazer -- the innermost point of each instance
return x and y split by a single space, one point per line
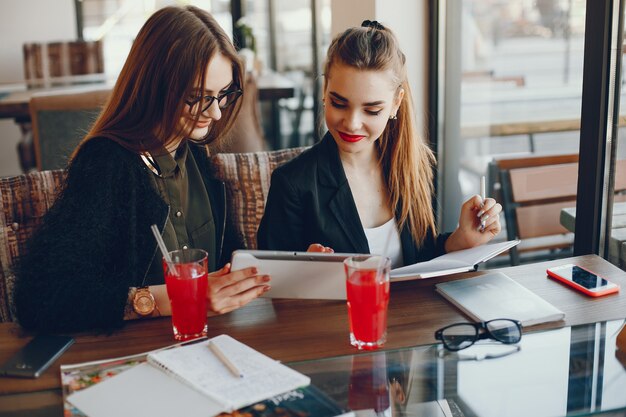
310 201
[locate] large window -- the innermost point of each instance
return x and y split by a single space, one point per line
117 22
511 89
284 30
283 43
511 77
615 218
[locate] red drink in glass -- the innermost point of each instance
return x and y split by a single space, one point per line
186 290
367 286
367 306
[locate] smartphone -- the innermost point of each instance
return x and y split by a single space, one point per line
34 358
583 280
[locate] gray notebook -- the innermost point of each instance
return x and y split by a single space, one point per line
494 296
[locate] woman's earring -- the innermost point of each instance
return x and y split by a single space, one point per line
393 117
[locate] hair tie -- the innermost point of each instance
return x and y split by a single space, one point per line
372 24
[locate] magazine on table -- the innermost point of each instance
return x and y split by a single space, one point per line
302 402
189 380
76 377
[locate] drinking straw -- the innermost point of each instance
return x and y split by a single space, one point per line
385 249
388 240
164 251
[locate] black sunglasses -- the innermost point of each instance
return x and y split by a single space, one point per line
224 100
459 336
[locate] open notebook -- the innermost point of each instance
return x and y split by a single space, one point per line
190 381
451 263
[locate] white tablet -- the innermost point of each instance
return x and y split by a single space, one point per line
312 275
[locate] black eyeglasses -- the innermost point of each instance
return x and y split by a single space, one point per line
224 100
463 335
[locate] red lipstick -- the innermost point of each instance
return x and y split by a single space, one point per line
350 138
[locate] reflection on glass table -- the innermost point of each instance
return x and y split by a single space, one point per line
563 372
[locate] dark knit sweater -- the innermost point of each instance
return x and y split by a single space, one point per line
95 242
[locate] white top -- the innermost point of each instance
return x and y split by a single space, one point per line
376 238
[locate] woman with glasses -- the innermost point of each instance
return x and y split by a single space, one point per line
367 186
94 262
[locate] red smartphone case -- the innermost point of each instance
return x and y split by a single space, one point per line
610 290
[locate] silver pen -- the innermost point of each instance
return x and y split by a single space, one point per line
483 192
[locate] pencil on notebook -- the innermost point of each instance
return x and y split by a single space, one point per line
220 355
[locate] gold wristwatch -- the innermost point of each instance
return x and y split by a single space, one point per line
144 303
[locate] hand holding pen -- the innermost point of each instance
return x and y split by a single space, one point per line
479 222
488 211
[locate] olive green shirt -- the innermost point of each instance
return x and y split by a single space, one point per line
190 222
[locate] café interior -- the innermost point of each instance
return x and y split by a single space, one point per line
523 93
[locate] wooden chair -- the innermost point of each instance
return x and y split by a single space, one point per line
501 187
533 191
60 121
498 166
24 200
62 63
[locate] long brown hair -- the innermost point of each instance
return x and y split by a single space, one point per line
170 54
406 160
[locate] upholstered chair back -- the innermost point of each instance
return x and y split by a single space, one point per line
247 179
61 121
23 202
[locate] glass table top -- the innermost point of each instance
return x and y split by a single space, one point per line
572 371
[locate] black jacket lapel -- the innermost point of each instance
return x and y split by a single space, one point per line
341 204
409 250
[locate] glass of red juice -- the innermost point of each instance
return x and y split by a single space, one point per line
367 285
186 288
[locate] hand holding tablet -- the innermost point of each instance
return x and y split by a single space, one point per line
310 275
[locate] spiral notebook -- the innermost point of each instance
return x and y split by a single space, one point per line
191 381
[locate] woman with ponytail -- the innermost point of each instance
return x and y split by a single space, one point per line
371 176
